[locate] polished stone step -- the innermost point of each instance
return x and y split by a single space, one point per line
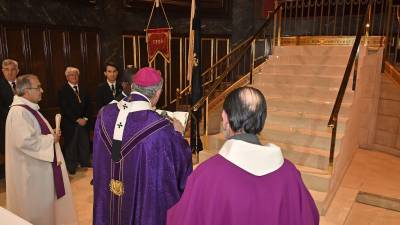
312 50
303 121
306 138
337 71
302 106
272 90
307 60
301 79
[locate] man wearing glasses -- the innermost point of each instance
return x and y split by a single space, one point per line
38 189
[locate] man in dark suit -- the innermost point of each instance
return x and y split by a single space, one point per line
74 106
7 89
109 90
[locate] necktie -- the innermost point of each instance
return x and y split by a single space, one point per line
76 90
77 93
13 86
113 89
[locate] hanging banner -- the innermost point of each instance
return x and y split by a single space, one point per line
268 7
158 42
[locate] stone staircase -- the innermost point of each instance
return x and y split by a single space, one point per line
301 85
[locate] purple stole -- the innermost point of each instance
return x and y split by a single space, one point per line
57 174
116 184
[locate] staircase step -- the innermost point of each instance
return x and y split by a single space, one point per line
311 139
302 106
303 121
299 69
305 156
315 179
301 79
303 91
319 199
313 50
296 152
307 60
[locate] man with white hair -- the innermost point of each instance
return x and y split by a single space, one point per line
74 107
7 89
140 163
247 182
38 189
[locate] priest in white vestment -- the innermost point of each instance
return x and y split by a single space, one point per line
37 184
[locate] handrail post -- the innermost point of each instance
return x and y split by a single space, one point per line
279 25
388 27
206 117
275 23
253 49
178 98
332 148
195 146
353 87
368 24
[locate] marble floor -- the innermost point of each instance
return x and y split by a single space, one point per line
370 171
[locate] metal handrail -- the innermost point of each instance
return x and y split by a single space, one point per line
246 46
338 102
215 65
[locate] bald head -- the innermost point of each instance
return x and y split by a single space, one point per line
246 110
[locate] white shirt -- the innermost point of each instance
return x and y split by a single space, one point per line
73 85
10 83
112 83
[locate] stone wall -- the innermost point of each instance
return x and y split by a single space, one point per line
387 136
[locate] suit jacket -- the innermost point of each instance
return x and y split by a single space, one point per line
71 109
104 94
6 98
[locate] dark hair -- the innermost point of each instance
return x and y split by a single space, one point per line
246 109
110 64
128 74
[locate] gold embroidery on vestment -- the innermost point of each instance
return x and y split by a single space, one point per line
117 187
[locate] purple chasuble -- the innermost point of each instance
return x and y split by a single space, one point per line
150 175
220 193
57 174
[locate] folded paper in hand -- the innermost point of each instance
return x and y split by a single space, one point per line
179 115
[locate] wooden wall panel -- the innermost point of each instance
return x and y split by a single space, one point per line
222 50
142 52
76 54
57 48
93 65
160 64
207 51
128 50
46 50
15 46
38 61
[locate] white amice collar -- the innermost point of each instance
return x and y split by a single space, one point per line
124 109
258 160
23 101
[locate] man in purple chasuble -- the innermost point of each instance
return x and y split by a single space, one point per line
246 183
140 163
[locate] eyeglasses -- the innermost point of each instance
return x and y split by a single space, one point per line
35 88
